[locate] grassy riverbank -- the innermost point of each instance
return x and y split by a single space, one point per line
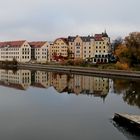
110 66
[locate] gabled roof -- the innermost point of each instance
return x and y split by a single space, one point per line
84 38
12 43
65 40
39 85
12 85
71 38
98 37
37 44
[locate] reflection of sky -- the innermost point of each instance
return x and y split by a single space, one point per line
48 19
44 114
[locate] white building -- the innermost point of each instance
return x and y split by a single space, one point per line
41 79
40 51
19 50
21 79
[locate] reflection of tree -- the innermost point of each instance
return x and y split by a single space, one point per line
120 85
132 95
130 90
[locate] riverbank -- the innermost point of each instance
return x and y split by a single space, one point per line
82 70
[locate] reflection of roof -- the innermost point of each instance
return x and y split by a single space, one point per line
39 85
37 44
12 85
12 43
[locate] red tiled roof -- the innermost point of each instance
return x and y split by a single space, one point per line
12 85
98 37
12 43
39 85
37 44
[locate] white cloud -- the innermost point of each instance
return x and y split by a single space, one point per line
48 19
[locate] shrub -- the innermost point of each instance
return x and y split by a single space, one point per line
122 66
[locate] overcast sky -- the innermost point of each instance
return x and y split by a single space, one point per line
49 19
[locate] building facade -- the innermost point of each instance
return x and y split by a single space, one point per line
80 46
101 48
20 79
40 51
15 50
59 49
91 48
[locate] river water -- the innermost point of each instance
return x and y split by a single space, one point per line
39 105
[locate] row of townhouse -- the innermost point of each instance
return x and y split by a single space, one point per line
93 48
24 51
62 83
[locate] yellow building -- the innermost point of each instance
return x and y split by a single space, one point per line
59 49
80 46
101 48
59 81
93 48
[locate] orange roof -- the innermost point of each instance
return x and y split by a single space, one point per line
12 85
65 40
37 44
12 43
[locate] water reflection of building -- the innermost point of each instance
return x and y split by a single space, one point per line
75 84
21 79
96 86
78 84
59 81
41 79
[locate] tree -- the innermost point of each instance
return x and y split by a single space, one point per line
123 54
118 41
133 43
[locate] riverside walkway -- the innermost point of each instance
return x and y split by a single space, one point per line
82 70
